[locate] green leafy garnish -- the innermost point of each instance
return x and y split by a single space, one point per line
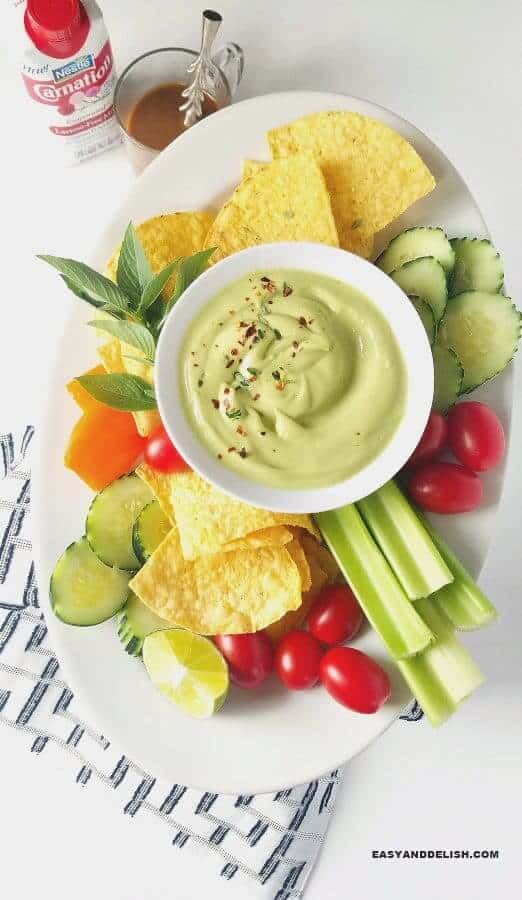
252 370
98 290
129 393
134 271
132 333
241 380
233 413
137 309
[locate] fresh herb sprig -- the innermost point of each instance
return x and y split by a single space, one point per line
138 309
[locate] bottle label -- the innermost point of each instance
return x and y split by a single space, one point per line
73 97
75 83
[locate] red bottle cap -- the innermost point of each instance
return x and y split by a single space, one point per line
57 28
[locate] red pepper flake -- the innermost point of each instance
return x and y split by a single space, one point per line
215 404
250 331
229 363
243 324
302 320
287 290
243 454
256 397
219 456
267 283
280 386
231 450
293 355
241 430
226 391
295 344
234 351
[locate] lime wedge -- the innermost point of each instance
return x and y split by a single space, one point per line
188 669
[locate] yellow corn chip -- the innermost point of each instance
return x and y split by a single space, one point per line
315 551
251 167
160 486
297 553
166 237
296 618
110 355
285 200
275 536
208 519
225 593
372 173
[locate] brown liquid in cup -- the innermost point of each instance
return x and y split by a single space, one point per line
156 120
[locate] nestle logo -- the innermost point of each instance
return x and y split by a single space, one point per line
72 68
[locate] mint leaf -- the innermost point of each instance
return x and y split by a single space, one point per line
89 284
128 393
134 271
132 333
190 268
154 287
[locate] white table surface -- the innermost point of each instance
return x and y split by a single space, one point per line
453 68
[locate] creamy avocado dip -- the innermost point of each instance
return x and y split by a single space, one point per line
292 378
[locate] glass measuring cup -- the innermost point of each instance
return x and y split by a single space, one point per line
168 65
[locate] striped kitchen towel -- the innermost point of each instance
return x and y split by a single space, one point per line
270 840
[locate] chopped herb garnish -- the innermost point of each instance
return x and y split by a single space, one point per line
262 433
240 378
215 404
219 456
277 334
276 375
252 370
200 382
243 454
287 290
233 413
302 320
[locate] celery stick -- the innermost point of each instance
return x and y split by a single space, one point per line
444 674
462 601
380 595
404 541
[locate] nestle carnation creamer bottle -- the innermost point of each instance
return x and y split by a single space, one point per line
69 75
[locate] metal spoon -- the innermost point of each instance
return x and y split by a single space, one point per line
206 74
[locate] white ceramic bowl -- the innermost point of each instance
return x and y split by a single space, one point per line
393 305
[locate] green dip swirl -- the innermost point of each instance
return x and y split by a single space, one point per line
292 378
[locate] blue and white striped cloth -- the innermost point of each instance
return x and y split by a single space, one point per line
269 840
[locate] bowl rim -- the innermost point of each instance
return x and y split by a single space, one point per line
322 259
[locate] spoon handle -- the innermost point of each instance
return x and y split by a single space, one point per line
211 22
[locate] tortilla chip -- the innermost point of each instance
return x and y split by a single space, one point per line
297 553
160 486
225 593
110 355
252 167
166 237
296 618
315 551
372 173
208 519
275 536
286 200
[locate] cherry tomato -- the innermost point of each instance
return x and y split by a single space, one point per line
354 680
161 454
444 487
297 660
433 440
335 616
250 657
476 436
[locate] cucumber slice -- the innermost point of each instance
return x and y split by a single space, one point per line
478 267
426 316
448 374
149 529
425 278
483 329
414 244
111 518
136 623
83 590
